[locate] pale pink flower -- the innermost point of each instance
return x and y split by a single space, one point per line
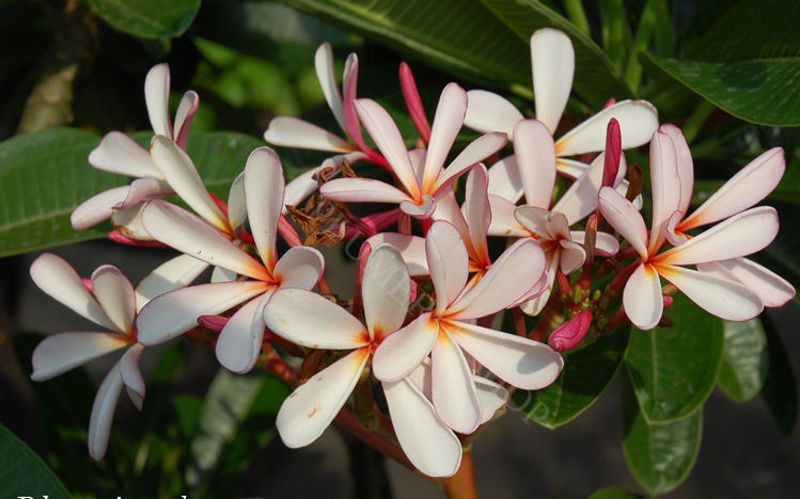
450 328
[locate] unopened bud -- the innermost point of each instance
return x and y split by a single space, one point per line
213 323
612 153
568 335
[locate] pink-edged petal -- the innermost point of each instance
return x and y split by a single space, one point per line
488 112
448 262
553 64
156 96
538 296
413 102
289 314
503 222
622 215
384 132
536 161
571 168
184 115
286 131
477 212
519 361
143 189
535 220
263 185
129 223
118 153
504 180
749 186
97 208
491 397
570 256
401 352
685 165
422 210
131 375
222 275
61 352
189 234
58 279
604 244
350 88
452 387
183 177
638 120
427 442
446 125
580 199
385 290
475 152
642 297
447 209
105 403
772 289
740 235
237 203
173 313
300 267
323 64
411 249
239 342
665 186
299 188
115 294
510 277
170 275
362 190
308 411
724 298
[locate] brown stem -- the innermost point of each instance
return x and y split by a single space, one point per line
462 484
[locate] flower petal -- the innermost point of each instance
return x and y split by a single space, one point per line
446 125
239 342
685 166
570 256
448 262
488 112
504 179
475 152
642 297
156 96
772 289
401 352
98 207
622 215
453 389
184 115
477 212
422 210
329 326
638 120
131 375
105 403
604 244
286 131
143 189
115 294
427 442
536 161
385 290
308 411
491 397
323 64
519 361
237 203
58 279
665 186
535 220
503 222
411 249
173 313
61 352
580 199
170 275
263 185
362 190
538 295
118 153
553 63
300 267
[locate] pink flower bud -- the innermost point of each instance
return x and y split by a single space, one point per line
213 323
612 153
568 335
414 103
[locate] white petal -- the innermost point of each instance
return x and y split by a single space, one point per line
115 294
156 96
448 262
504 180
604 244
665 186
535 220
519 361
286 131
638 120
105 403
239 342
300 267
422 210
536 161
221 275
477 212
453 389
58 279
411 249
570 256
553 62
129 223
540 295
580 199
118 153
182 176
176 312
447 209
323 64
362 190
475 152
237 203
187 108
143 189
488 112
59 353
131 375
401 352
385 291
642 297
329 326
491 397
263 185
504 223
622 215
772 289
446 125
685 166
172 274
427 442
306 413
98 207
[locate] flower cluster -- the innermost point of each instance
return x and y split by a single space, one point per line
418 349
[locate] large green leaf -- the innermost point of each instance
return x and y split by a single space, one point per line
756 90
780 387
23 473
596 77
587 373
659 455
147 18
462 36
745 360
673 369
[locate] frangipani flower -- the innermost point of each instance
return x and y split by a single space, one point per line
305 414
420 185
450 328
118 153
174 313
112 303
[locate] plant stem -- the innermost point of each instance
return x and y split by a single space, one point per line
462 484
348 420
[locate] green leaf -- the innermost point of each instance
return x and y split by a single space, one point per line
674 369
745 360
659 455
471 42
587 372
757 90
147 18
596 77
612 493
780 388
23 473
